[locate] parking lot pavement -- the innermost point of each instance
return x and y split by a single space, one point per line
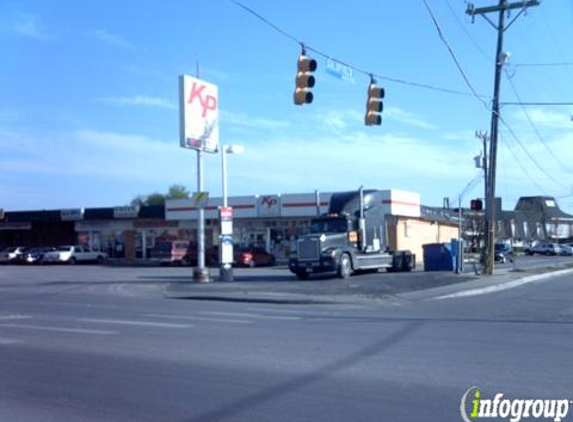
269 284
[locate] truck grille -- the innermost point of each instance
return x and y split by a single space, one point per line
308 250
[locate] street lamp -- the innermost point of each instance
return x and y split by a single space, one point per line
226 268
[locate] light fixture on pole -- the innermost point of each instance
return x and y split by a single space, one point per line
226 218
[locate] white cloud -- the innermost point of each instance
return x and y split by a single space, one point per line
245 121
111 38
408 118
28 25
141 100
339 120
118 166
546 119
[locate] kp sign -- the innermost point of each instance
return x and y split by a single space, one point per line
199 114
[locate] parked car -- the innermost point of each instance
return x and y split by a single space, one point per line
11 255
36 254
544 249
73 254
566 250
253 257
167 252
503 253
211 255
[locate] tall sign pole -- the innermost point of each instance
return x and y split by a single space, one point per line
199 130
502 8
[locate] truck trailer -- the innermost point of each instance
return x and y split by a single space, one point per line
351 237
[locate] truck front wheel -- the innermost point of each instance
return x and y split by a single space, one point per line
344 267
302 275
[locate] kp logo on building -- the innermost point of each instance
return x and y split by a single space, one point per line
474 407
199 114
269 206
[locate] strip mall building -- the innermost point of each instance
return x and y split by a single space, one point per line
270 221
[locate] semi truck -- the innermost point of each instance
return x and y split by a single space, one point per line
350 238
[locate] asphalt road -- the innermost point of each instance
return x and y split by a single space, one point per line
105 344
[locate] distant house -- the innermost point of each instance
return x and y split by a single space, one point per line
535 218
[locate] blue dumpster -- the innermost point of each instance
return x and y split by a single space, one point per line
439 257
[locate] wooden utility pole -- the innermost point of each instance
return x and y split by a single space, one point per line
502 8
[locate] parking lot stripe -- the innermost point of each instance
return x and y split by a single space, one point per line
58 329
13 317
199 318
135 323
251 315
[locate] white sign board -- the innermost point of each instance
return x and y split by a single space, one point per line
74 214
199 114
226 217
226 249
129 211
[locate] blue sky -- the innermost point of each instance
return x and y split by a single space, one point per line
88 99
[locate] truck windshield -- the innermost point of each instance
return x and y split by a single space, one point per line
332 225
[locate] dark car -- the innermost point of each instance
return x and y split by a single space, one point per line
211 255
35 255
253 257
502 253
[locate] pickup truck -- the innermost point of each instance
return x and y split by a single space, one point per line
74 254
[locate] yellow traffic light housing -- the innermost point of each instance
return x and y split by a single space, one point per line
374 104
304 79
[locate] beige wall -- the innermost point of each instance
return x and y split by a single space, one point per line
412 233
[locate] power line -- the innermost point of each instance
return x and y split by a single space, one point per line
533 160
510 130
470 37
544 64
351 66
524 170
440 33
452 54
541 139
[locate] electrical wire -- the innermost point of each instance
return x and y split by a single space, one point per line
351 66
524 170
541 139
452 54
468 83
470 37
544 64
533 160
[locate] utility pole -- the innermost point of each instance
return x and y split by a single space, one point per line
490 212
483 137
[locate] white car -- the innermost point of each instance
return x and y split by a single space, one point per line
73 254
11 254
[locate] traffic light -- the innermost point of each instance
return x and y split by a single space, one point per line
304 79
374 105
476 205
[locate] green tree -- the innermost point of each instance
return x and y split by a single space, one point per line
177 192
156 198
